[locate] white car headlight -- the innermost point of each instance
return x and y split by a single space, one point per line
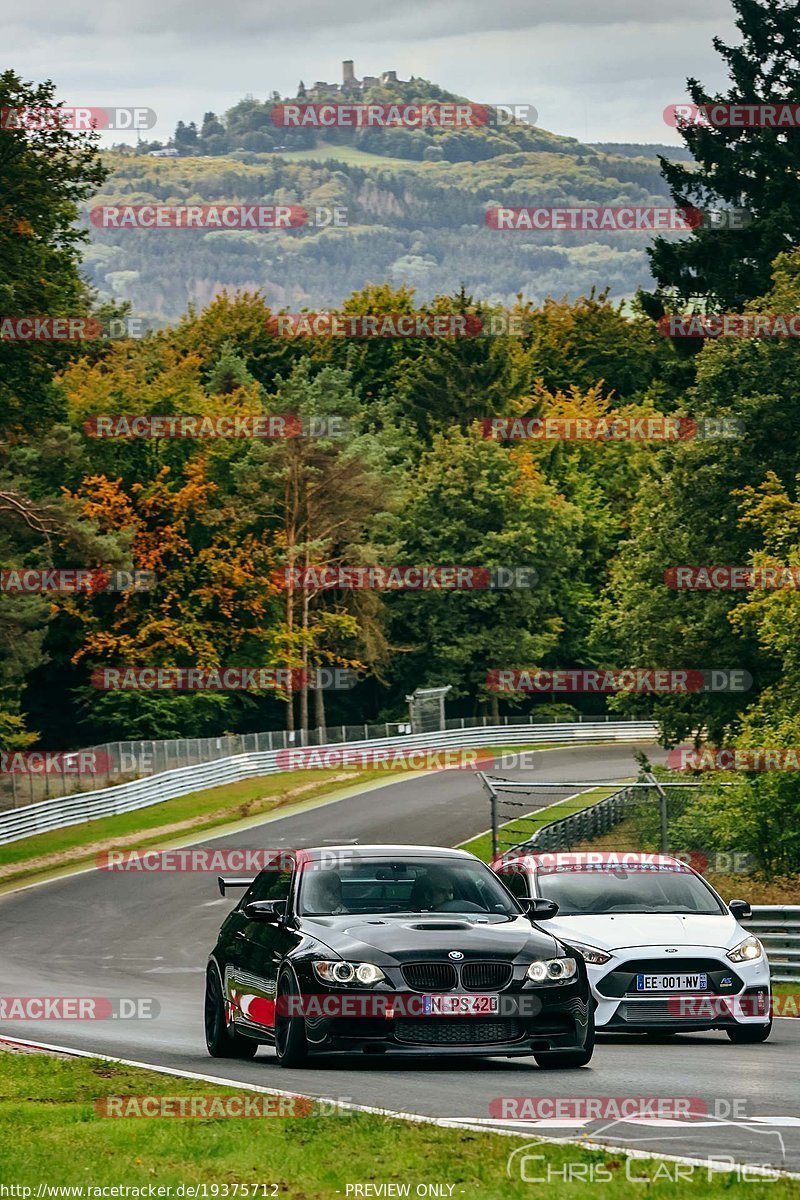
591 954
552 970
365 973
747 951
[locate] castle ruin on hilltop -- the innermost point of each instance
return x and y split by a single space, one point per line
349 82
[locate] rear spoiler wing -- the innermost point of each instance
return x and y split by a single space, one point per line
233 881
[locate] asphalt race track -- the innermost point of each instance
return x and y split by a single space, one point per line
132 935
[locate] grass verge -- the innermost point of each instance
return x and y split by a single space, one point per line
55 1135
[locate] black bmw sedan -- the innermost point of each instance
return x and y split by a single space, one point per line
409 950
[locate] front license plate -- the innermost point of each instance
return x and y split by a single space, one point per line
672 983
460 1006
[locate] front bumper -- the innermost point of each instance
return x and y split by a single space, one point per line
528 1022
738 993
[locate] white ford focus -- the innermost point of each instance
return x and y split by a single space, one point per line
664 953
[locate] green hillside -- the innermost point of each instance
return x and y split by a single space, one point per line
415 204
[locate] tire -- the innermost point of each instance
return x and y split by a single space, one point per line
567 1060
221 1042
291 1046
747 1035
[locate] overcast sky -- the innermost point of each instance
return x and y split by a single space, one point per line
596 71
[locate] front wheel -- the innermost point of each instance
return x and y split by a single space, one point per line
567 1060
220 1041
746 1035
291 1047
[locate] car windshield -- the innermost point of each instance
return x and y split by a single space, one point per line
384 885
584 892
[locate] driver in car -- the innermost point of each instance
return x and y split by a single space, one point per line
325 894
440 889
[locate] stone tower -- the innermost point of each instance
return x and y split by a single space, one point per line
348 74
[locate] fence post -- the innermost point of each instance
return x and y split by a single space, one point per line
662 805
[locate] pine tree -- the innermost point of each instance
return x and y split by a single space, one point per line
229 372
756 169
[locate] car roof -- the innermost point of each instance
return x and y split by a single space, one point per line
378 850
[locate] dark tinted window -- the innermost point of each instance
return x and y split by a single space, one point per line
592 892
269 885
412 885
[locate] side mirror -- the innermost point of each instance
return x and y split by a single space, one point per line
540 909
740 909
268 912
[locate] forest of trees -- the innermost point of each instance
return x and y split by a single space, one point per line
413 482
422 226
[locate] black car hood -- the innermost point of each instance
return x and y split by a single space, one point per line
407 938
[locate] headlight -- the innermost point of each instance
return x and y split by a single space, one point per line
552 970
746 951
591 954
365 973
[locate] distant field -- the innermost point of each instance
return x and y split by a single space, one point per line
350 155
324 152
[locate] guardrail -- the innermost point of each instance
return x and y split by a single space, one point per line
93 767
778 927
141 793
